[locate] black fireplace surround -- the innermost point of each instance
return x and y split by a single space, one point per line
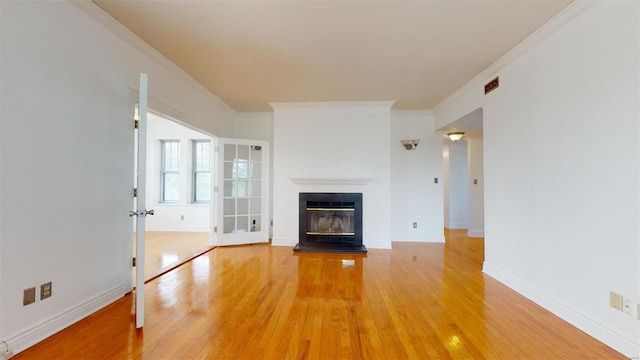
330 222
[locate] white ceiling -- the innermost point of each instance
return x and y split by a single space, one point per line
250 53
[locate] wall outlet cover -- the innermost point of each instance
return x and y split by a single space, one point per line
45 290
627 306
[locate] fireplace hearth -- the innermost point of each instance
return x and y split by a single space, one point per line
330 222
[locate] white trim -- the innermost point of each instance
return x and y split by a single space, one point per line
404 237
36 333
331 104
475 233
284 242
456 226
134 40
378 245
627 346
330 181
184 228
411 112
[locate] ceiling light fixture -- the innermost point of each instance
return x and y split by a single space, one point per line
455 136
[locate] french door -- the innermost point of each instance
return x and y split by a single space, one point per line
241 192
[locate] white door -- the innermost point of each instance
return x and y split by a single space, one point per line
242 215
141 212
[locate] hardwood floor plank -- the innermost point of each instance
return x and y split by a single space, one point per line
417 301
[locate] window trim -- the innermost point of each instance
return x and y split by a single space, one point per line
195 171
164 172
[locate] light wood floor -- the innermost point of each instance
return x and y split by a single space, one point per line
417 301
164 249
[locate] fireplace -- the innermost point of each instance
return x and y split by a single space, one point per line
330 222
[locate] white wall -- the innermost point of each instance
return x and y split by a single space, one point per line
457 186
67 157
169 217
561 167
332 140
475 185
415 197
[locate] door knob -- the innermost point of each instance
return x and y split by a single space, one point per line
149 212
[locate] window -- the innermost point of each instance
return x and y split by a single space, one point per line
170 171
201 171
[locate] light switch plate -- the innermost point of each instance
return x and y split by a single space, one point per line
615 300
29 296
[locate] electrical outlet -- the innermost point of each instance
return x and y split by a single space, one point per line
29 296
615 300
45 290
627 306
181 217
415 225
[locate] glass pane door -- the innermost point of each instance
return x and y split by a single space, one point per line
243 187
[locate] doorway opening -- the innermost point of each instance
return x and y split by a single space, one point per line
179 183
464 176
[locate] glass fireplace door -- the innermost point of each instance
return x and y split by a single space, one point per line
242 215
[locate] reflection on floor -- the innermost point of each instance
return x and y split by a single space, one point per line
164 249
416 301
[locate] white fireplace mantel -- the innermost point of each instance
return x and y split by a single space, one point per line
330 181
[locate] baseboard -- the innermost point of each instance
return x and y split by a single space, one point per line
377 245
185 228
627 346
455 226
475 233
418 238
33 335
283 242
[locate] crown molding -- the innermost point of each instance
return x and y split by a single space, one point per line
109 22
331 104
424 112
547 29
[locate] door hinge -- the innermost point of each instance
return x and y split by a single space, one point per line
133 262
135 192
215 189
215 229
135 124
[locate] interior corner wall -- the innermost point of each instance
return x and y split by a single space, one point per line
332 141
184 215
67 157
457 185
415 196
475 185
561 192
